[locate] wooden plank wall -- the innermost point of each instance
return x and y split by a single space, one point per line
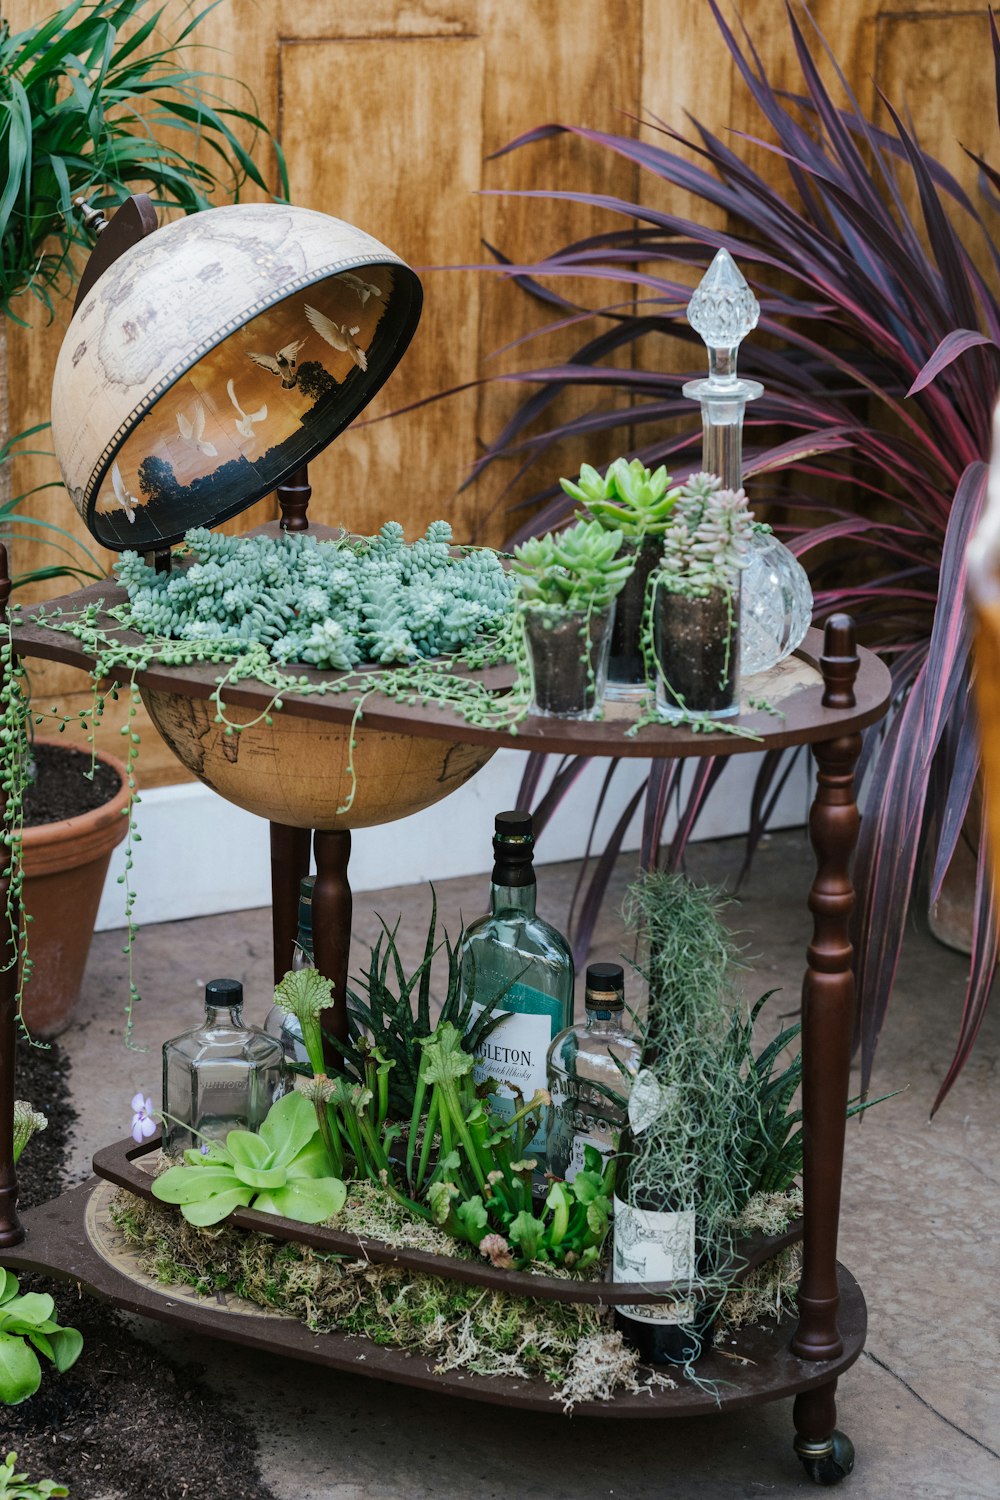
388 114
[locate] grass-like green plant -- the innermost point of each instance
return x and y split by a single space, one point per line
628 497
27 1325
573 570
88 98
18 1486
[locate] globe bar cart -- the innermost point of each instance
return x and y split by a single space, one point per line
410 756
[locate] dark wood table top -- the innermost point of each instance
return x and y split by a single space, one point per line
794 688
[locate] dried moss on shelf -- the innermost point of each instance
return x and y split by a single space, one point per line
573 1346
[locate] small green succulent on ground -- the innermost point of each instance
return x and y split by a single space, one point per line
27 1320
284 1169
629 498
18 1487
27 1120
576 569
707 543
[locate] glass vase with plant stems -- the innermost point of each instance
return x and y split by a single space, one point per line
567 583
879 368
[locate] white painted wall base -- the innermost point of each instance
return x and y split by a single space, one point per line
199 855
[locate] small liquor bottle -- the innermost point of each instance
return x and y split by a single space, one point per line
287 1028
512 954
654 1240
583 1067
221 1076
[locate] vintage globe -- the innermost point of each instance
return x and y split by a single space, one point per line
776 604
215 357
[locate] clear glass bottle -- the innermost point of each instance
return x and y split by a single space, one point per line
288 1029
222 1075
583 1063
511 953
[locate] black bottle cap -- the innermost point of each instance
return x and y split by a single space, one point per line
223 992
513 849
514 825
605 987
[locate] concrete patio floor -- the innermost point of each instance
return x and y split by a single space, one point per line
921 1222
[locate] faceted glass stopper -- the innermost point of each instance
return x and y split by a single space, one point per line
723 309
776 604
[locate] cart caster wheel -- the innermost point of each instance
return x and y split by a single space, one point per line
827 1463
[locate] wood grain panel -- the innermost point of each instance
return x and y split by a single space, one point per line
405 166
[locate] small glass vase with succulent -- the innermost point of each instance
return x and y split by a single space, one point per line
567 583
694 614
630 499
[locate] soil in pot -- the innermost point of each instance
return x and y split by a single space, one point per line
568 655
697 648
72 824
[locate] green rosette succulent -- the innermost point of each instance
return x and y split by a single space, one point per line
576 569
284 1169
628 498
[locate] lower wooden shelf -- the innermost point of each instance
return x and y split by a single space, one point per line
73 1239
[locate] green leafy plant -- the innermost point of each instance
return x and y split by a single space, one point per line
18 1487
628 498
27 1325
88 100
283 1169
27 1120
576 569
392 1010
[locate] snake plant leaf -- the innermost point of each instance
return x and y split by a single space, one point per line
290 1125
20 1372
310 1200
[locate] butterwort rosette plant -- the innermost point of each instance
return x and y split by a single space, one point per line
282 1169
27 1329
14 1486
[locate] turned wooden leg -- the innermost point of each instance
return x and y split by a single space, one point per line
827 1455
332 906
828 1007
293 501
11 1229
290 850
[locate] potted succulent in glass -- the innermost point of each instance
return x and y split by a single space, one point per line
639 504
695 606
566 588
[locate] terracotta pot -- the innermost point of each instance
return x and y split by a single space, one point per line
64 868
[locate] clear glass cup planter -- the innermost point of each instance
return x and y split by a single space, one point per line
567 654
626 662
696 643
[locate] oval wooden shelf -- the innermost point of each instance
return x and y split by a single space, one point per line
117 1164
70 1238
794 688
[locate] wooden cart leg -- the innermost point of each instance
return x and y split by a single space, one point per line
827 1022
332 908
290 850
11 1229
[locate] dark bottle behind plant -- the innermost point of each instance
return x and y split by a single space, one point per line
286 1028
654 1240
222 1075
511 953
583 1070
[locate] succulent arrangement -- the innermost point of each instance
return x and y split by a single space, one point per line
628 498
576 569
707 541
331 604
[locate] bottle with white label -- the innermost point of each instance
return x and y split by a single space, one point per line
654 1240
512 953
587 1066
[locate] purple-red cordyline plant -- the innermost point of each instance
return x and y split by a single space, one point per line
875 417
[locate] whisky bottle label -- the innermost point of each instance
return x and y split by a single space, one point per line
513 1054
653 1246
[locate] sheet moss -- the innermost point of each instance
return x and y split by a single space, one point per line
571 1345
